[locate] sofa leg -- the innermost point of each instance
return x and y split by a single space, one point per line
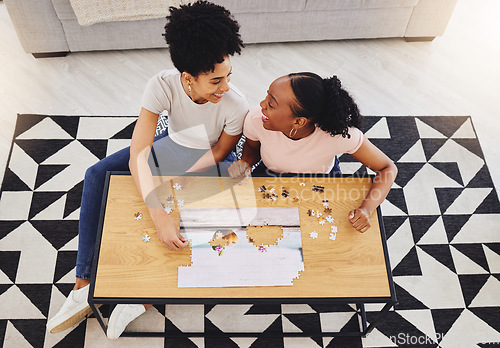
50 54
419 38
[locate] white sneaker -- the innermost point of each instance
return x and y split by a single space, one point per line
122 315
74 310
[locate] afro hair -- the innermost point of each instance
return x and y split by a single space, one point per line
200 35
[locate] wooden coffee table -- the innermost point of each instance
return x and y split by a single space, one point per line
354 268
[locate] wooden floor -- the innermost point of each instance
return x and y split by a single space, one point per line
456 74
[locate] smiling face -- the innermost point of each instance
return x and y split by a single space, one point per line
209 86
276 106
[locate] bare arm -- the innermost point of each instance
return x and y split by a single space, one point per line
251 152
376 160
140 148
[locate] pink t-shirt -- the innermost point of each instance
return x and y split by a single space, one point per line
312 154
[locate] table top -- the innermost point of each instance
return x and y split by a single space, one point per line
354 265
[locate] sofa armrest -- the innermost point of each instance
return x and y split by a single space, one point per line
429 18
37 26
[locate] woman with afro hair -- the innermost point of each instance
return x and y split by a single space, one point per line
304 122
205 121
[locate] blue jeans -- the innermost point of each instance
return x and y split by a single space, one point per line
167 158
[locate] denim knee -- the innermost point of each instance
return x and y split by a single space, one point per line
93 172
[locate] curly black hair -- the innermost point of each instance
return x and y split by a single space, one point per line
325 103
200 35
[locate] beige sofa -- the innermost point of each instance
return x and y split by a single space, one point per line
50 27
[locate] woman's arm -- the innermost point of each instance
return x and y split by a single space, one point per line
376 160
250 155
140 147
251 152
217 153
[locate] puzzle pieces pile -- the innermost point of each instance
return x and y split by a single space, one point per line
322 215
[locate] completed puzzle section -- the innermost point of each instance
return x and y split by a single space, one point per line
242 247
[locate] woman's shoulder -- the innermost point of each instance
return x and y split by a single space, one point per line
234 90
159 90
347 144
253 125
167 75
353 132
254 114
234 102
234 95
320 136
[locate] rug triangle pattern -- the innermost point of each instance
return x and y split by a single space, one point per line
444 190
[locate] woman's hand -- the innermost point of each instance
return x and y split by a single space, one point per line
168 233
239 169
360 219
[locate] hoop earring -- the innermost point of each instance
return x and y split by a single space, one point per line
292 130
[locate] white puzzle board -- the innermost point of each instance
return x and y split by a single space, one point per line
238 262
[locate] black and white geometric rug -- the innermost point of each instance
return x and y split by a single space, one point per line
442 221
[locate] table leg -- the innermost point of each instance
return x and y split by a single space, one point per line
362 312
99 316
382 314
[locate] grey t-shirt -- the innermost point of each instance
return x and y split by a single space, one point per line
197 126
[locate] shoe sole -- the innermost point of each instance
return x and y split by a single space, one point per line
75 319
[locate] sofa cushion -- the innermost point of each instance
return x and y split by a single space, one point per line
333 5
318 25
262 6
389 3
337 5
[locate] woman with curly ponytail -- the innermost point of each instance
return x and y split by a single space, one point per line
304 122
